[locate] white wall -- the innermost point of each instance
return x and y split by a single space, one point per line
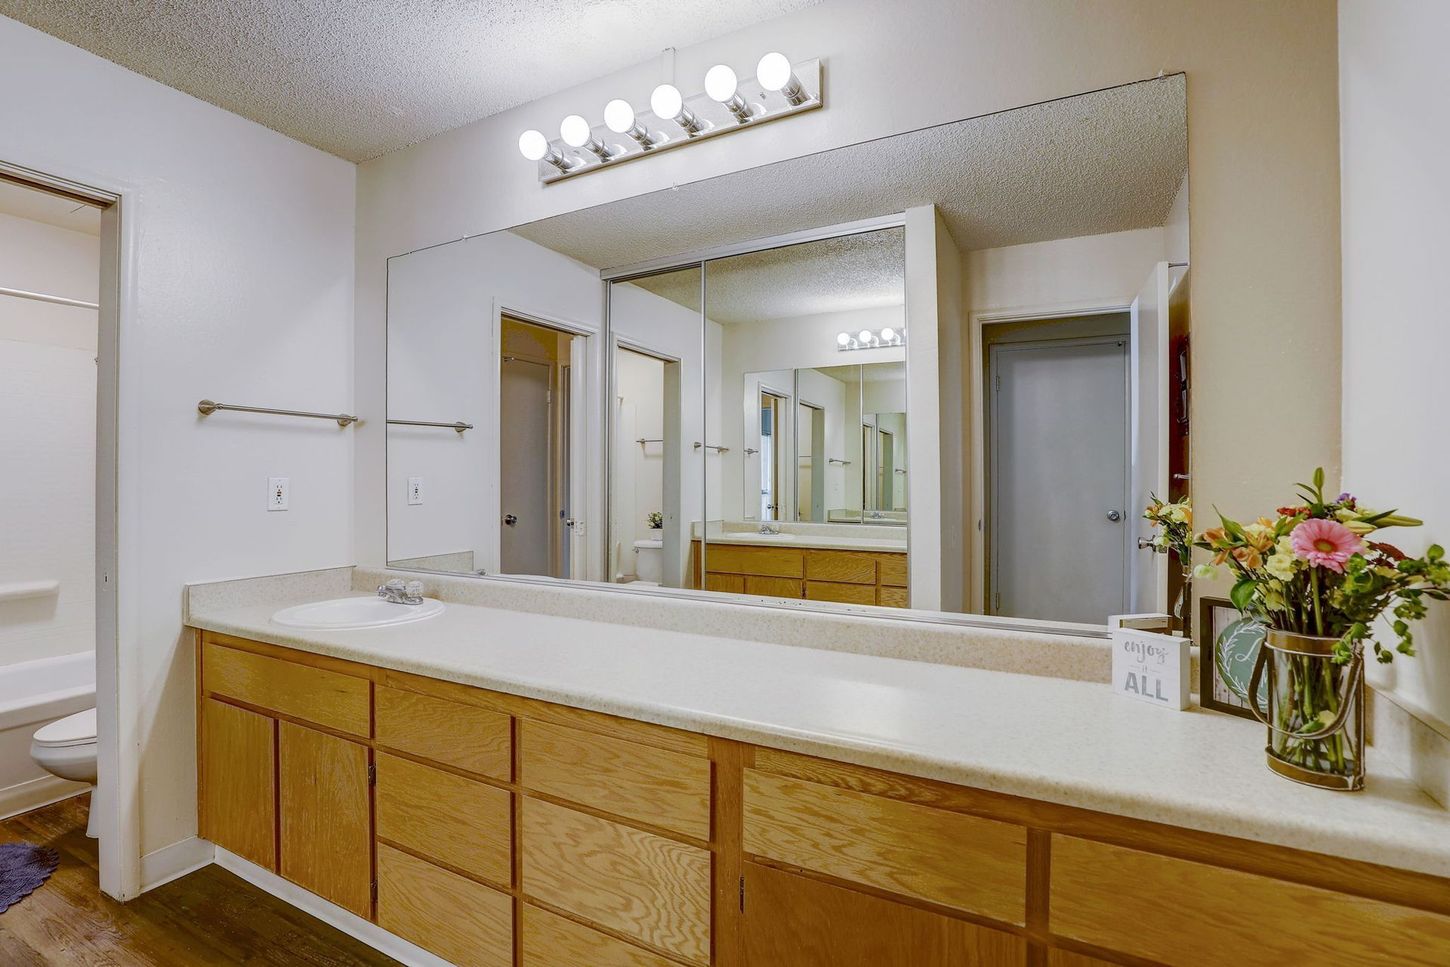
48 439
237 282
1395 138
1067 273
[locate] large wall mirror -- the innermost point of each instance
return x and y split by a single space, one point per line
941 371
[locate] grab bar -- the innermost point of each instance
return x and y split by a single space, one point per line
208 407
711 446
460 426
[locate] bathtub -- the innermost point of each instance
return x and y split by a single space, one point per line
33 693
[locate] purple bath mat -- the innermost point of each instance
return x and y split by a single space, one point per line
23 868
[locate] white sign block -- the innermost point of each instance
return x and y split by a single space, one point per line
1151 667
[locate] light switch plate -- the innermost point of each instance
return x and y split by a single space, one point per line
277 488
415 491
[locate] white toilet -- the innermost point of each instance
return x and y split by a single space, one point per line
67 748
649 561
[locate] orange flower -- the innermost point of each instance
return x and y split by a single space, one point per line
1215 536
1249 557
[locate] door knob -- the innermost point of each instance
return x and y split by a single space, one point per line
1145 543
510 520
570 522
1114 516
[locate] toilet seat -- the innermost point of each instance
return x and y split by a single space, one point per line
73 730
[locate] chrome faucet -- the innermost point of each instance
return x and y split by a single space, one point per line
397 591
765 528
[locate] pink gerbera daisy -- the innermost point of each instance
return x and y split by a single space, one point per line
1325 543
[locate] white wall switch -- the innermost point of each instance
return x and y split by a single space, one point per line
415 490
277 493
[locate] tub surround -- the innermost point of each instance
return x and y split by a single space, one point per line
1063 741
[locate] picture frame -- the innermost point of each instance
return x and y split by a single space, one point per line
1214 616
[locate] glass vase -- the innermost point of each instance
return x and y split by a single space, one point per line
1315 713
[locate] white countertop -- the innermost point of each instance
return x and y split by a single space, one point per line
1068 742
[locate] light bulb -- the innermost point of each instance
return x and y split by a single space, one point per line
618 116
775 74
721 83
533 145
666 102
888 334
575 131
843 339
865 336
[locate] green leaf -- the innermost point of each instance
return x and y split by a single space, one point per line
1243 593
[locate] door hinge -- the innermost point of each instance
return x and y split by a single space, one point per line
373 888
742 894
997 601
997 382
372 774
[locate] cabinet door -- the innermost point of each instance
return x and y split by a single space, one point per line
238 782
796 921
325 816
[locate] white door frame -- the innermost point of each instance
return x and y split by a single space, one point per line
583 445
976 364
671 466
119 691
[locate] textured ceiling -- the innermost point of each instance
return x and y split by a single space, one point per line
42 206
832 275
1109 161
360 78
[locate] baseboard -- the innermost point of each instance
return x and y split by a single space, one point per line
170 862
34 793
349 923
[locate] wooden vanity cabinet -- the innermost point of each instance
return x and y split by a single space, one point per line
498 831
812 574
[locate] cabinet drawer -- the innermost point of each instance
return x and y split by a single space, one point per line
892 569
893 597
846 567
639 782
728 583
472 738
552 941
972 864
327 698
773 587
1205 915
646 887
778 562
445 817
459 920
844 593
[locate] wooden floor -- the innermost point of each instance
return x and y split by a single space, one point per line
206 917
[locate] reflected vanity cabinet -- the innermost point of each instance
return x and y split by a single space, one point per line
500 831
814 574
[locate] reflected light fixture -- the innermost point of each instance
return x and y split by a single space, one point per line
775 74
667 102
886 338
534 146
619 117
577 133
722 85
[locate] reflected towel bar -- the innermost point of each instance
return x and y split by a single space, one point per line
844 463
459 426
58 300
208 407
711 446
642 441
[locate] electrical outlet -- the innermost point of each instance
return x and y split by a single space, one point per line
277 488
415 491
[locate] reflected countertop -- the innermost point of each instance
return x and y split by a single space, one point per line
1069 742
886 538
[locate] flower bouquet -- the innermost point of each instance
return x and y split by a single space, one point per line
1173 535
655 520
1315 580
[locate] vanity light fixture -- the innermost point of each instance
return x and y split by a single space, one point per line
577 133
619 117
780 89
534 146
871 339
774 74
667 102
722 85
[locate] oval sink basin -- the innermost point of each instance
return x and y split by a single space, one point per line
341 614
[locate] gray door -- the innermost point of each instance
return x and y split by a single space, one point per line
525 451
1058 491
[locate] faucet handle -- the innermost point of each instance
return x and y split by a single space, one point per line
414 589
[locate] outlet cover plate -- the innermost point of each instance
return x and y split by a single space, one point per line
277 493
